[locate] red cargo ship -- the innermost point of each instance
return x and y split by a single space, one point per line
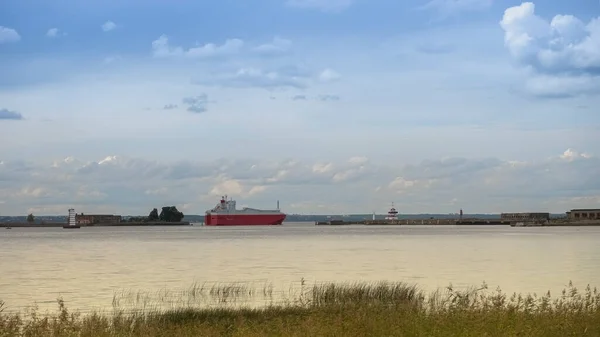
225 214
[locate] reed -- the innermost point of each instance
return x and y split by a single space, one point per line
381 293
359 309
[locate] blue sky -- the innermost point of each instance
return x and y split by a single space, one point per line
326 105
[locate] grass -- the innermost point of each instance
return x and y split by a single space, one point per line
198 295
361 309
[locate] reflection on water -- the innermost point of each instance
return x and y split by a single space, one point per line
88 266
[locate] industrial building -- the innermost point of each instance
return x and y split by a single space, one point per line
584 214
91 219
524 216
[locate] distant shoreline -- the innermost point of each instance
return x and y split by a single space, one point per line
118 224
411 222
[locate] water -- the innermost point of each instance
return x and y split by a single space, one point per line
87 266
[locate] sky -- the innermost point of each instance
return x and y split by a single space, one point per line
329 106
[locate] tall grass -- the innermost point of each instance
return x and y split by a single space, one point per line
197 295
360 309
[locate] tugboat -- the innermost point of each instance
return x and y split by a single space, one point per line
392 214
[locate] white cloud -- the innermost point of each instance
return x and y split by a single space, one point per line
29 191
90 193
358 160
157 191
323 5
350 174
563 54
55 32
197 104
231 46
227 187
134 186
162 48
329 75
322 168
8 35
328 98
561 86
111 59
108 160
234 187
277 47
108 26
239 69
571 155
52 32
254 77
299 98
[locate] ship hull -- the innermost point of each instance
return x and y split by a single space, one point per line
243 220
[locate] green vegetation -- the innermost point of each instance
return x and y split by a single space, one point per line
382 309
153 216
168 214
30 218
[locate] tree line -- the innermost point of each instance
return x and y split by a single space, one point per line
167 214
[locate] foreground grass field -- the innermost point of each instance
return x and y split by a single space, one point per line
383 309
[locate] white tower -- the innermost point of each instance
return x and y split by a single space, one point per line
72 221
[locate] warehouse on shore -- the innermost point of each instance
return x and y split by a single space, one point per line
91 219
584 214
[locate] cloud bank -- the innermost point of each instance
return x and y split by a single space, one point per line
135 185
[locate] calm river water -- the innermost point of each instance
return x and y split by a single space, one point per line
88 266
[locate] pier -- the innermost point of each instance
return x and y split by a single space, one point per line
412 222
572 218
464 222
557 223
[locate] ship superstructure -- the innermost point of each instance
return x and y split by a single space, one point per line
392 214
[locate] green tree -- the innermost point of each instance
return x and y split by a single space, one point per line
30 218
153 215
170 214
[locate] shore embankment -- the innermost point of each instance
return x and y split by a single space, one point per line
462 222
115 224
414 222
557 223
